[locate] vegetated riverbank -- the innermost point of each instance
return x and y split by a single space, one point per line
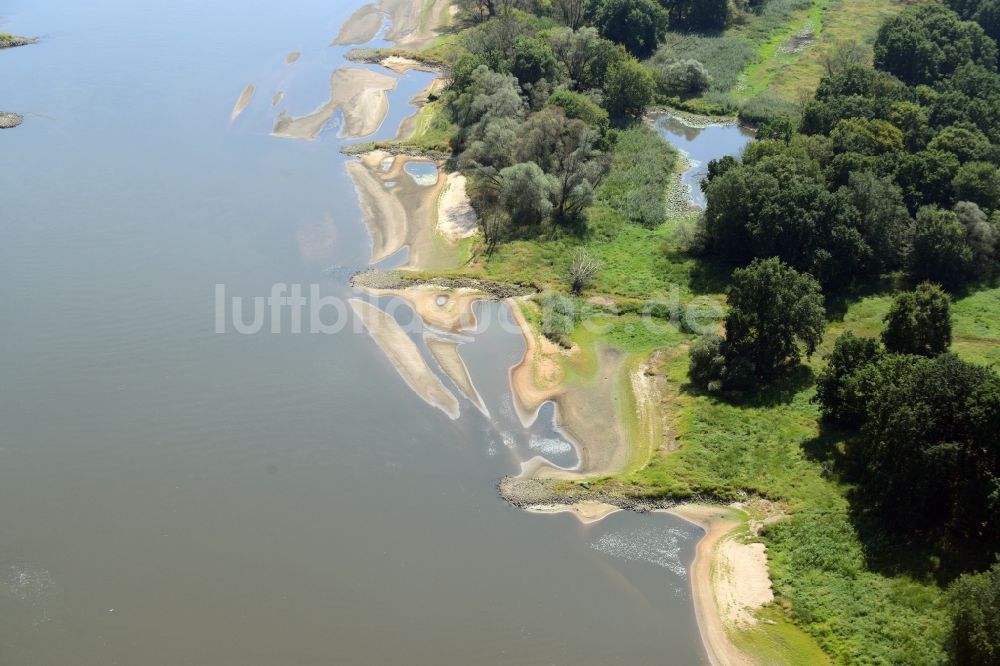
607 386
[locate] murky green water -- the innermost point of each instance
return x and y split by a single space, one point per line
171 495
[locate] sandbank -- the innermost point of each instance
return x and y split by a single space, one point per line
361 27
292 57
242 102
402 352
359 93
445 352
456 218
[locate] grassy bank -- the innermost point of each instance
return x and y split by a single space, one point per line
831 593
775 58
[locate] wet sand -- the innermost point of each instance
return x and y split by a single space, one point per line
360 94
243 101
405 357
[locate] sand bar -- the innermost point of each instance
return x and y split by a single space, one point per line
361 27
9 120
445 352
360 94
402 352
242 102
292 57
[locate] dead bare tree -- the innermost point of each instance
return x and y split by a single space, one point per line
582 271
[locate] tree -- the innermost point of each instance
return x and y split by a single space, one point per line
573 13
628 90
838 392
638 25
775 314
866 136
927 42
964 141
940 252
582 271
883 220
919 322
698 14
564 149
581 107
978 182
533 60
975 607
926 178
982 237
525 193
489 95
584 55
929 454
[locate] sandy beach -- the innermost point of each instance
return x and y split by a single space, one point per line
360 94
729 581
405 357
243 101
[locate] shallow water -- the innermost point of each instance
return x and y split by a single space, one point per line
173 495
701 145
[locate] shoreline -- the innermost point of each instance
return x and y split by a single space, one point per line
392 226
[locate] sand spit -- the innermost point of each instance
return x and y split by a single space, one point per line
405 357
456 218
398 211
445 352
292 57
242 102
729 581
415 23
586 511
360 94
277 97
9 120
361 27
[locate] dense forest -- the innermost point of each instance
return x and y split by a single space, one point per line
886 178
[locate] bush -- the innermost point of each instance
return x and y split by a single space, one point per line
558 317
919 322
707 365
975 635
685 77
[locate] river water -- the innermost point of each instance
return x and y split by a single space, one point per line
173 495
